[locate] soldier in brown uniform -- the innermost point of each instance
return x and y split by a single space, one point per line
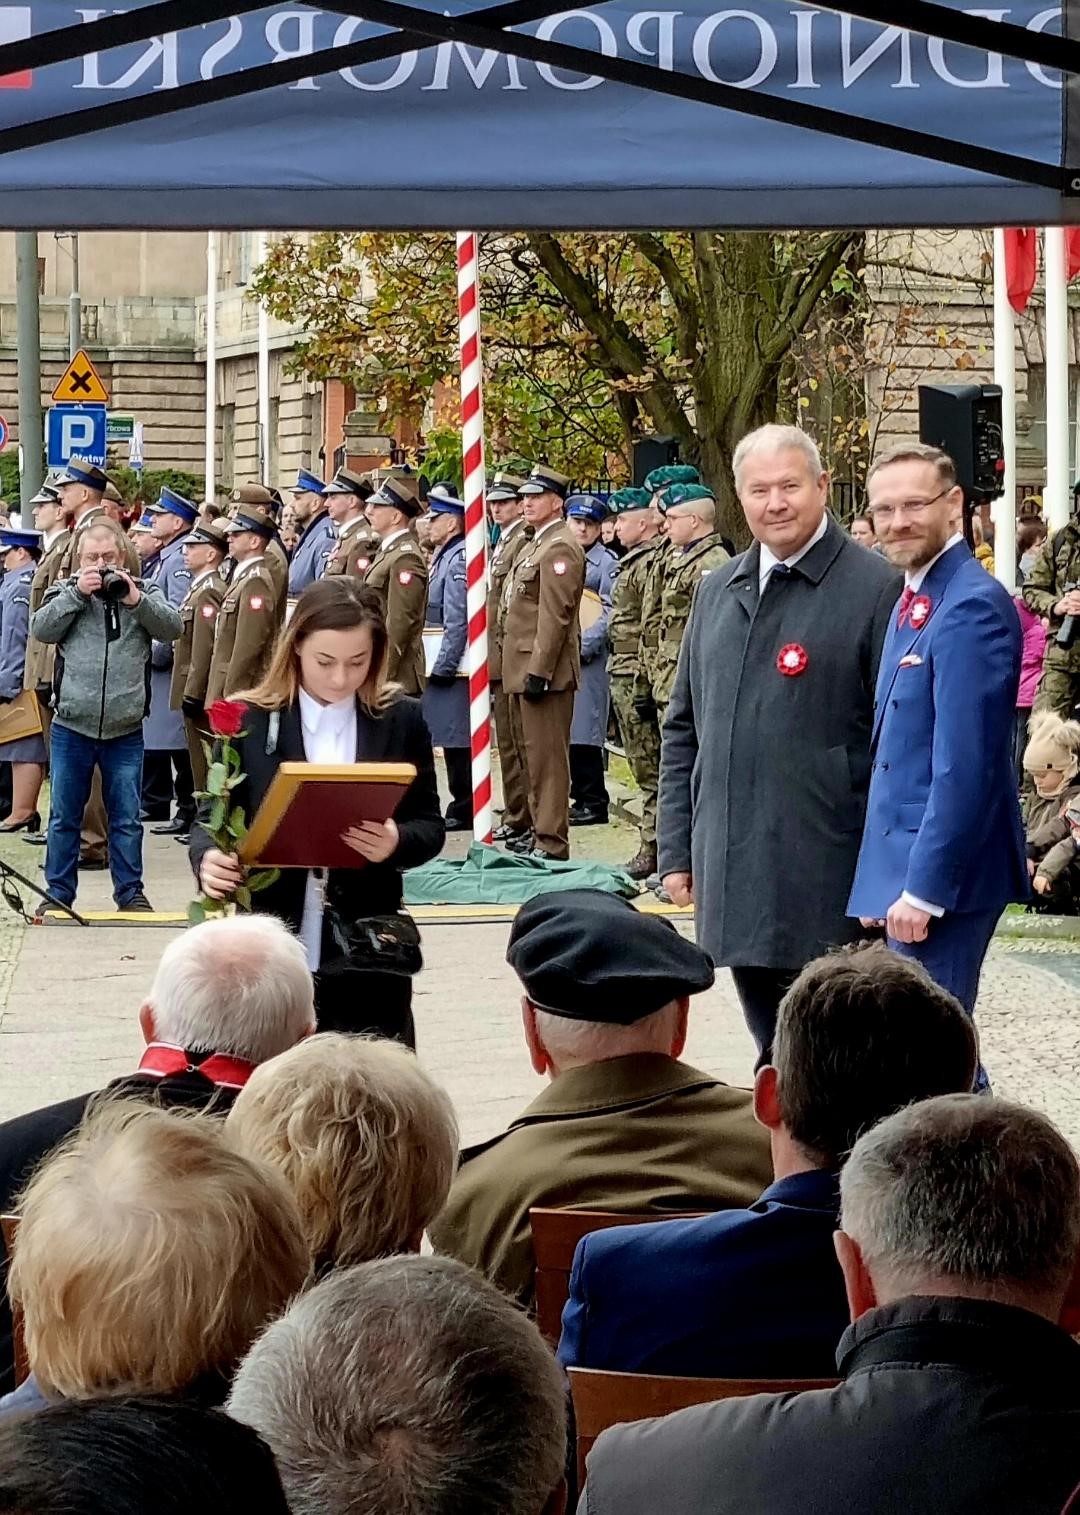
347 495
275 562
82 489
399 572
504 507
247 623
204 551
541 655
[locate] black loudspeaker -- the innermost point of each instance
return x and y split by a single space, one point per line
653 452
964 420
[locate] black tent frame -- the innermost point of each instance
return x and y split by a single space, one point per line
487 27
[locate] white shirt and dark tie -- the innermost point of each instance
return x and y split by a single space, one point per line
329 733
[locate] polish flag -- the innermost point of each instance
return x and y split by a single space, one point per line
1021 257
15 26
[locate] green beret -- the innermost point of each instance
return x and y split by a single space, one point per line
671 473
624 500
684 494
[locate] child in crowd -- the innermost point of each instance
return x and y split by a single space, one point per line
1052 758
1033 630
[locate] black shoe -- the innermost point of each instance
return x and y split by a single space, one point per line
509 833
138 902
453 824
153 815
31 823
641 867
36 838
538 855
184 838
93 865
588 817
177 827
521 843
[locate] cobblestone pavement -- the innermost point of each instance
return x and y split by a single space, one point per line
70 998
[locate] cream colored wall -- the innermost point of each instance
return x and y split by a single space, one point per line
115 263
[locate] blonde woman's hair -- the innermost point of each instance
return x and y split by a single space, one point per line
363 1137
338 603
150 1252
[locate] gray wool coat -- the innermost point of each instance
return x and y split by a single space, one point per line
764 775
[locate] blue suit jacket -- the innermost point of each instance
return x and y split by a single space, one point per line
943 819
751 1293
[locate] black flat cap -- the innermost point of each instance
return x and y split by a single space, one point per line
590 956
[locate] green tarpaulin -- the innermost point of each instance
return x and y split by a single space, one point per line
490 877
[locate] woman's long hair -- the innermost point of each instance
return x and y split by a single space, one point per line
338 603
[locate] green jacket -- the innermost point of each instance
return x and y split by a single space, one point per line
1057 565
627 598
686 569
643 1133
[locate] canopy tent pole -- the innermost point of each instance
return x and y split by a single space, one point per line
472 451
263 377
211 364
1058 500
1003 510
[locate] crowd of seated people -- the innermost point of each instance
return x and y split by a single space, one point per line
256 1274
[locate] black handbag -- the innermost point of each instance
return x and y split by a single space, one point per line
372 944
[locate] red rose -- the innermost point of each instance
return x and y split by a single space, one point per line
226 717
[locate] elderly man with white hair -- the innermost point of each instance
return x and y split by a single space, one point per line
227 995
765 764
960 1391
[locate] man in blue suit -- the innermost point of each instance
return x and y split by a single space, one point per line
758 1293
943 845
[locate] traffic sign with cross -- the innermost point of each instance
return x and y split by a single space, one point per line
81 383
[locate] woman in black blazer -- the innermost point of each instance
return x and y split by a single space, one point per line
325 698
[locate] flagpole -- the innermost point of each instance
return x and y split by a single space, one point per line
1058 501
1003 510
209 464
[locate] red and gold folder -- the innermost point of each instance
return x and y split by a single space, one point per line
308 806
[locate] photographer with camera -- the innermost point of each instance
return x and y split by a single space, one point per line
103 623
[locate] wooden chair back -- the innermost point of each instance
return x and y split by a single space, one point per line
9 1226
555 1235
611 1399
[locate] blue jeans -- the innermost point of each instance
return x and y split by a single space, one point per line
73 758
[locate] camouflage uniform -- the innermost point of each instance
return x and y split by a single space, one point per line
641 739
685 568
651 601
1057 565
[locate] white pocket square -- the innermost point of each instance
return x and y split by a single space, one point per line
912 660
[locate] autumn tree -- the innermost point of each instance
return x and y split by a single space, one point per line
589 341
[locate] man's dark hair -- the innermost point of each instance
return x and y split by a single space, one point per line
127 1456
859 1035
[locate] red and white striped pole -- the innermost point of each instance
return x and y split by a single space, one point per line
472 449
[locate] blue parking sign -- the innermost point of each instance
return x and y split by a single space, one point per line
76 431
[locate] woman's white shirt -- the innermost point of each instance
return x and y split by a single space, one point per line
329 733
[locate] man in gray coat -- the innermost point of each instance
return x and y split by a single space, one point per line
765 763
103 623
960 1392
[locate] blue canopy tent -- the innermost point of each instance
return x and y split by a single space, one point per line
223 113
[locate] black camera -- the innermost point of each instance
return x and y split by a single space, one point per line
113 584
1067 630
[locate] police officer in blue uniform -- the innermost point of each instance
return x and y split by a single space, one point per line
21 550
164 737
585 514
318 537
446 697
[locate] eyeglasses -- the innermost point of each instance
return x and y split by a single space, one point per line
909 507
